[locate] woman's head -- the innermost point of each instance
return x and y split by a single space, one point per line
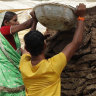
10 18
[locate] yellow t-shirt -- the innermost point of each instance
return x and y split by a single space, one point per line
44 78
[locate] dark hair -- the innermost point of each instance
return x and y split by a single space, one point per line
34 42
8 16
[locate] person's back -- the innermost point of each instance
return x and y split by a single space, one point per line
39 79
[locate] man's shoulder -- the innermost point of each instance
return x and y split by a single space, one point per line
25 58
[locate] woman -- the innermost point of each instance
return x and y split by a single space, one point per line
11 83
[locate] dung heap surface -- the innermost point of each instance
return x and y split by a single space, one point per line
79 76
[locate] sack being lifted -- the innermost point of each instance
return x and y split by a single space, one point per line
55 16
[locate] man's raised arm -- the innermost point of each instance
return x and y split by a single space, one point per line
70 49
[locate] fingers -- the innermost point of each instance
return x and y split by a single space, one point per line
32 13
81 9
82 6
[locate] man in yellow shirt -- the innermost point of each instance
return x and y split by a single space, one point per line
41 76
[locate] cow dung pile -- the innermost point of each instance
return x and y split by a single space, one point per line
79 76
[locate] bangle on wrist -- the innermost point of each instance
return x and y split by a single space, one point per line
81 18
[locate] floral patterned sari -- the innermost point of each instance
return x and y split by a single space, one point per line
11 83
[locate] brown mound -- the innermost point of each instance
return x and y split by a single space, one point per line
79 76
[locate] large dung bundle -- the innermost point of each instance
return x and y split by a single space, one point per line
55 16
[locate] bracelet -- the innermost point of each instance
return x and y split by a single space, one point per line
81 18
